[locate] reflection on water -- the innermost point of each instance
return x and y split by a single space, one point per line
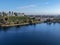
49 23
38 34
4 28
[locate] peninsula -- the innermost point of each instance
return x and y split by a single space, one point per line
15 19
18 19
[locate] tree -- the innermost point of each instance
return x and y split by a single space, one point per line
12 13
4 14
1 21
9 12
30 21
15 13
6 19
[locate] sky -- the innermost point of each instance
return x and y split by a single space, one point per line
31 6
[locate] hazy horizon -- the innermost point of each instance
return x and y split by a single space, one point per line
31 6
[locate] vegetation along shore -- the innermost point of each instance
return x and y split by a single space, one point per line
18 19
15 20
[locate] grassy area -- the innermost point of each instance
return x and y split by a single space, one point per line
21 19
11 20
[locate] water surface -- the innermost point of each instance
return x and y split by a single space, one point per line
39 34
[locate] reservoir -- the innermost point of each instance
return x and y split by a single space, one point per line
37 34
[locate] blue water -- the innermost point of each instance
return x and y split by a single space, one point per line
39 34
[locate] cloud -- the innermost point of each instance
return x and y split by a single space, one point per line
27 7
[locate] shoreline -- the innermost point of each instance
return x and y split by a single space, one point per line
4 25
13 25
